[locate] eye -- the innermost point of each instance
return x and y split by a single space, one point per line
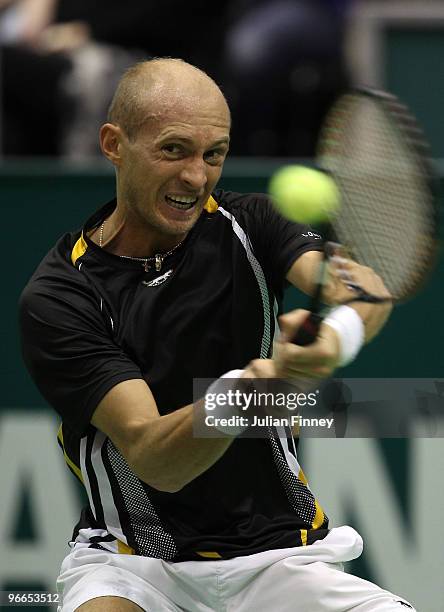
215 156
173 149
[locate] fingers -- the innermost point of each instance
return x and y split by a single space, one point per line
290 361
260 368
340 266
290 322
317 360
347 276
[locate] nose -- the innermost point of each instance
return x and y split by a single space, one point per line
194 173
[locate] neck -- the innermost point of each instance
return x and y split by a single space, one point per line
121 237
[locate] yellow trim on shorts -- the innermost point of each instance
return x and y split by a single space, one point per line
209 555
304 537
211 205
75 468
124 549
78 250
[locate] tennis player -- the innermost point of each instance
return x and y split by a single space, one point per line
172 281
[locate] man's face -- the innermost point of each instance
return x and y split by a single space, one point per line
169 169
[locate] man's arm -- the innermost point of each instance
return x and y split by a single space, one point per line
303 275
322 357
88 378
161 450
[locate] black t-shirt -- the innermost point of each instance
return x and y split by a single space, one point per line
91 319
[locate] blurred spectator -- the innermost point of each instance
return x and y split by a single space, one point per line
279 62
56 80
284 67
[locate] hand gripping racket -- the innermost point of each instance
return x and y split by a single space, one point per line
373 148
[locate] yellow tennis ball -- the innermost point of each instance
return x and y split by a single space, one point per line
303 194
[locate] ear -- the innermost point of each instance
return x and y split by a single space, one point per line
111 137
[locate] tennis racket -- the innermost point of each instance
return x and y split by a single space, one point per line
373 148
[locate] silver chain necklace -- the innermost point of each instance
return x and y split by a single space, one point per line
145 261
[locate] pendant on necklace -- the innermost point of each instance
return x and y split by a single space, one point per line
159 260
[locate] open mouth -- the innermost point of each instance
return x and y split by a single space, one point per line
181 202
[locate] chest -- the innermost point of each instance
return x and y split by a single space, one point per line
208 310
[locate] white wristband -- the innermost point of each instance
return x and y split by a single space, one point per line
350 329
224 413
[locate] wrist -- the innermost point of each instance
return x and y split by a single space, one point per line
349 327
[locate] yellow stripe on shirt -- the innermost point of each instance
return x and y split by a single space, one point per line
319 516
78 250
75 468
211 205
80 246
302 477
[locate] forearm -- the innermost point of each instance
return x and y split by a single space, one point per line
374 317
167 455
304 275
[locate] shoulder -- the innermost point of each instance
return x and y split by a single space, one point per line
234 202
56 278
250 210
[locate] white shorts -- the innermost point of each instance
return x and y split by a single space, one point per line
301 579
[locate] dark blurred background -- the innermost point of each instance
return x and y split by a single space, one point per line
279 62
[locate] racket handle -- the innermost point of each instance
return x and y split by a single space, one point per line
308 331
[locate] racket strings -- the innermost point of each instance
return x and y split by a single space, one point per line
384 219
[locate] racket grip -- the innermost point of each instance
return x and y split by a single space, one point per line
308 331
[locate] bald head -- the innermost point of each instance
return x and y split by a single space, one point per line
158 87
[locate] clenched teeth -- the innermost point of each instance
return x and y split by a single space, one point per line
181 202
